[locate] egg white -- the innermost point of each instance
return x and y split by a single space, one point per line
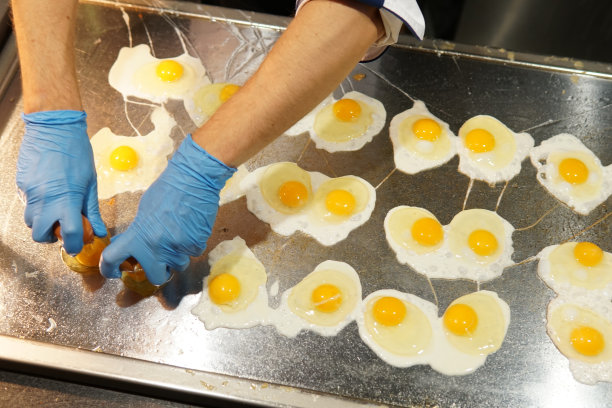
204 102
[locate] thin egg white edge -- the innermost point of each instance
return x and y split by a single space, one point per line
442 264
379 116
232 190
407 161
289 324
524 144
566 289
582 371
567 143
258 312
307 122
287 224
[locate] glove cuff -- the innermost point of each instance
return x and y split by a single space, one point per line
56 117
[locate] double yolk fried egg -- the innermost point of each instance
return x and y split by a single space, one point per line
207 99
136 72
132 163
490 151
291 199
420 140
572 173
476 245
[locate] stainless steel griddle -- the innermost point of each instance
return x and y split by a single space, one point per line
52 317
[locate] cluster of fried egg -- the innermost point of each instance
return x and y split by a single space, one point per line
579 319
476 244
291 199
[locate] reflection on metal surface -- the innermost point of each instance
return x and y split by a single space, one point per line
96 314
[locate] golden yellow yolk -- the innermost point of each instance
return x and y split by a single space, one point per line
223 288
460 319
389 311
347 110
588 254
482 242
427 231
293 194
326 298
123 158
573 171
169 70
90 254
587 341
228 91
427 129
479 141
340 202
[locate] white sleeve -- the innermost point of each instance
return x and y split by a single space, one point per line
394 13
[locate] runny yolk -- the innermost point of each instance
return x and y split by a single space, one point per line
587 341
573 171
427 231
90 254
588 254
169 70
347 110
427 129
223 289
482 242
326 298
228 91
340 202
293 194
460 319
389 311
123 158
479 141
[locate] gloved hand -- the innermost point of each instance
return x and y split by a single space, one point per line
175 216
57 177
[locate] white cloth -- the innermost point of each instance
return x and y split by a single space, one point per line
394 13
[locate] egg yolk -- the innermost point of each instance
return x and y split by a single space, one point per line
587 341
460 319
427 231
340 202
480 141
293 194
90 254
427 129
224 288
228 91
389 311
169 70
573 171
326 298
482 242
588 254
123 158
347 110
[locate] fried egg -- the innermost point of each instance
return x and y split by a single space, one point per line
577 270
572 173
132 163
476 245
489 151
420 140
234 293
138 73
206 100
324 302
582 331
291 199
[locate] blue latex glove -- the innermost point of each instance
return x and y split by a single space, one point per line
175 216
57 177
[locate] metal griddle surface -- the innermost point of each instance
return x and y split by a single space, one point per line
94 314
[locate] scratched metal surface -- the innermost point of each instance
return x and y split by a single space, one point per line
90 313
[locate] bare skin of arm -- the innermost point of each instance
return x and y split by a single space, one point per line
45 38
318 50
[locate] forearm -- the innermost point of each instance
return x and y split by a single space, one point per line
45 38
319 49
